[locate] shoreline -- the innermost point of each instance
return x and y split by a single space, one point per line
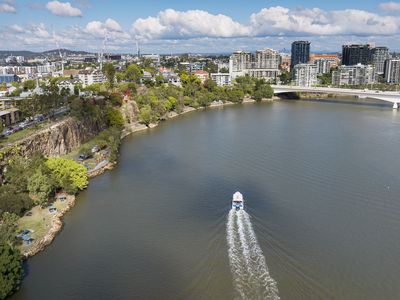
57 219
57 223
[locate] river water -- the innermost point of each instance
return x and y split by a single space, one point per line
321 181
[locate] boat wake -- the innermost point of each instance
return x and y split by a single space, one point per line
248 266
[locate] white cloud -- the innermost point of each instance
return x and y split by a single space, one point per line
193 23
200 31
283 21
172 24
16 28
113 25
390 6
64 9
110 27
8 7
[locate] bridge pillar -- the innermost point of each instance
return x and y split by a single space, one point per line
395 105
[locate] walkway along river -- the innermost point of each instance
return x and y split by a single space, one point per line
322 189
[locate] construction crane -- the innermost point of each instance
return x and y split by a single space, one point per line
137 49
60 54
103 50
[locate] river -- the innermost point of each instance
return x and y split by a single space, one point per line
321 184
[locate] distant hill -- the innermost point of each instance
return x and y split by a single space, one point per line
5 53
64 51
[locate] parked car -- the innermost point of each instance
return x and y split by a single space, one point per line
52 209
38 118
95 149
23 233
83 156
8 132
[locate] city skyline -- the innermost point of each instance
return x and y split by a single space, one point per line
205 27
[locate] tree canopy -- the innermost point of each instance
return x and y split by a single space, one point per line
68 174
10 269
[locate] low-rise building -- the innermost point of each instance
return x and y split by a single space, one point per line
221 79
203 75
354 75
170 76
8 78
305 75
9 116
69 84
88 77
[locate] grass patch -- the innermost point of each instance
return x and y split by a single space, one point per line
17 136
39 223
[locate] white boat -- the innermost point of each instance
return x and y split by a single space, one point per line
237 201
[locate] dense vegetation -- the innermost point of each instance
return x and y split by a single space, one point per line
10 269
162 98
34 181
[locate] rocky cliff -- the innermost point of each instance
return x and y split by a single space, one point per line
55 140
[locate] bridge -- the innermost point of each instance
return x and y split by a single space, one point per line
392 97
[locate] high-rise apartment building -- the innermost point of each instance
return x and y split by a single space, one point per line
356 54
378 57
392 71
262 64
300 53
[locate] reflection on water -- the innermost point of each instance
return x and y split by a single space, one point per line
322 188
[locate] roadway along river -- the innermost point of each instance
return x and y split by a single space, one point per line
322 186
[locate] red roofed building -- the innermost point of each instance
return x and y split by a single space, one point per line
203 75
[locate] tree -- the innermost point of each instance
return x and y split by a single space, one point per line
160 80
11 270
109 71
285 77
211 67
13 201
68 173
115 117
246 84
8 228
29 85
224 70
210 84
133 73
262 90
17 173
235 94
146 115
325 79
171 103
42 186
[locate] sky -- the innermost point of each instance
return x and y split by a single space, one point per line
207 26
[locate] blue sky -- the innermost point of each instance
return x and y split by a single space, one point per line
162 26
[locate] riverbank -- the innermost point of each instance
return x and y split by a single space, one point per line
45 225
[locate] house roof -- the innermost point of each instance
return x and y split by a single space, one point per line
200 72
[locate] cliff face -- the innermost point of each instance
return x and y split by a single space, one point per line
61 138
58 139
